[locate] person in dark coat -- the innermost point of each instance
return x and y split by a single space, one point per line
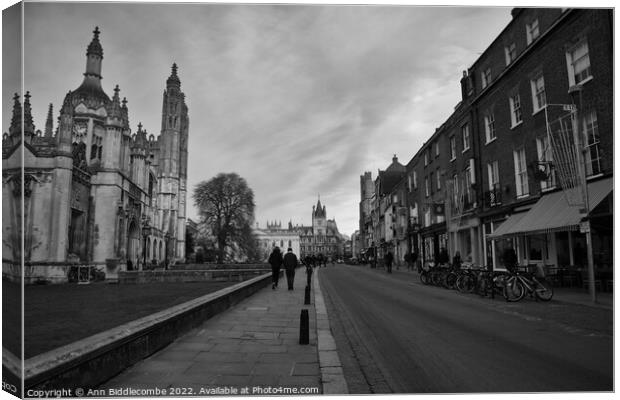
456 260
275 259
442 257
414 261
510 259
290 263
388 258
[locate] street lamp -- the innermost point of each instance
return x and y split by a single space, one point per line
146 231
577 91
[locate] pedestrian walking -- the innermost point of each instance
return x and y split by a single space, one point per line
456 260
276 260
388 258
407 259
290 263
414 261
308 274
442 258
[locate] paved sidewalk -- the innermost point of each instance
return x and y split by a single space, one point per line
253 344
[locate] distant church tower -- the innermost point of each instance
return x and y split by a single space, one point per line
173 165
319 219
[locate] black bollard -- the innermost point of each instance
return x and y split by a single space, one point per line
307 298
304 327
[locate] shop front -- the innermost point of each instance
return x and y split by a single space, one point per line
433 238
552 234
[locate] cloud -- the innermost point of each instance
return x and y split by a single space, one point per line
299 100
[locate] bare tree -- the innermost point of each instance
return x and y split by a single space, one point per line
226 205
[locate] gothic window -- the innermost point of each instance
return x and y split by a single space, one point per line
79 153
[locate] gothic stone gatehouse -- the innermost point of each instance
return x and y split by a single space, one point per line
94 192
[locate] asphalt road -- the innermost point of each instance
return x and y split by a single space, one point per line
395 335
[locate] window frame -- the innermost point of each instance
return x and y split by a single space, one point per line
570 63
544 153
490 133
466 143
530 29
590 147
510 51
452 147
536 93
521 178
486 77
515 111
493 174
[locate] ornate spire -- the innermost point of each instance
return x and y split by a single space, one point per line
90 90
125 113
95 47
16 120
114 108
174 80
28 123
49 124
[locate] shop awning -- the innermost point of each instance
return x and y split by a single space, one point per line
551 213
507 226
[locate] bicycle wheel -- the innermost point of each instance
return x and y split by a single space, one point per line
461 283
483 284
469 283
425 278
513 290
436 278
450 280
543 290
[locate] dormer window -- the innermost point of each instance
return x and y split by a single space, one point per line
511 53
532 31
486 77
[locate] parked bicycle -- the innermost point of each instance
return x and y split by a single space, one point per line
518 284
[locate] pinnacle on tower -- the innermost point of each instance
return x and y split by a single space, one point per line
49 124
174 80
28 123
16 121
114 108
125 113
95 46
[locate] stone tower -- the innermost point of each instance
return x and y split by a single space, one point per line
173 165
319 219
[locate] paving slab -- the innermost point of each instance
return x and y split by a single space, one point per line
253 344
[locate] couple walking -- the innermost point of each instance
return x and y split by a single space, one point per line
289 260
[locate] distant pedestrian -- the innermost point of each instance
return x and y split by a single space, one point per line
456 260
388 258
442 258
509 257
308 274
407 259
290 263
275 259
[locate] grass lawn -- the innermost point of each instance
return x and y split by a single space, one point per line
56 315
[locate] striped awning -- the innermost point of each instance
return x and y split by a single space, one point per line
551 213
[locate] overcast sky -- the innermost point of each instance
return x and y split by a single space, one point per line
298 99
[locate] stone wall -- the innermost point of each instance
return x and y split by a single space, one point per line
225 275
